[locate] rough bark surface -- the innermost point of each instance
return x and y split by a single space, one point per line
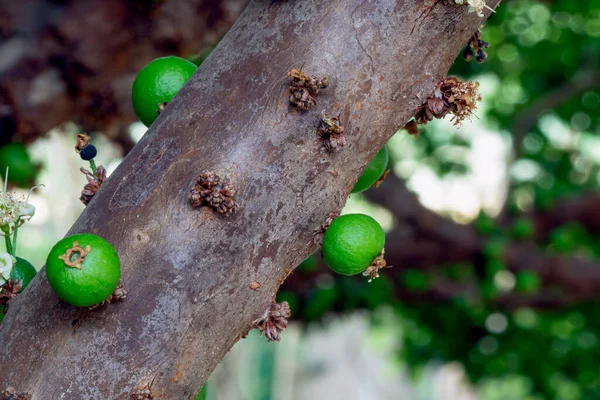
188 270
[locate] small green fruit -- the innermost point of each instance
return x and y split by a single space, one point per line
83 269
21 170
351 243
22 271
373 171
157 83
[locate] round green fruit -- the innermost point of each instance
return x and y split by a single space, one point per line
157 83
373 171
21 170
83 269
351 243
22 271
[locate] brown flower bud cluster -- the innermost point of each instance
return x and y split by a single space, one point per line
332 132
9 291
274 320
210 190
93 185
452 96
303 88
475 47
11 394
119 294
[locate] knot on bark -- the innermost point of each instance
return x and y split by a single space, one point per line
11 394
452 96
303 88
93 185
211 191
274 320
331 131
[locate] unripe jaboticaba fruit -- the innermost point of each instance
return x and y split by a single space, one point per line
352 242
157 83
83 269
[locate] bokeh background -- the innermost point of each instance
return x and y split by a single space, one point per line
492 227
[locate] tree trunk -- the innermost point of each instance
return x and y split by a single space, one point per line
188 270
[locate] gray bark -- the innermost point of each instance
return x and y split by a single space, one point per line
188 270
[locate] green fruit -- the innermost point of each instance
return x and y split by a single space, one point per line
21 170
203 392
373 171
351 243
22 271
88 282
157 83
309 265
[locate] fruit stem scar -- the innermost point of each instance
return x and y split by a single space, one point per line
75 256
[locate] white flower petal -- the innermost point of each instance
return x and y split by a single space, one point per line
6 264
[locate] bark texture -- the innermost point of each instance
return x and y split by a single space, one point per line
188 270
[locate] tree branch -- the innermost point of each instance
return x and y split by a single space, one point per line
188 270
424 239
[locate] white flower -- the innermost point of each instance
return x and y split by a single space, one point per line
12 210
8 207
25 210
6 263
475 6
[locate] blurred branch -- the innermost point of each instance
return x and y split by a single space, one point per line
426 240
586 79
583 209
76 60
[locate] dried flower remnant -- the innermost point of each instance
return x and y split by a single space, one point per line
379 181
476 6
273 321
210 190
475 47
119 294
161 107
142 393
83 139
331 131
412 128
452 96
9 291
303 88
93 185
379 263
